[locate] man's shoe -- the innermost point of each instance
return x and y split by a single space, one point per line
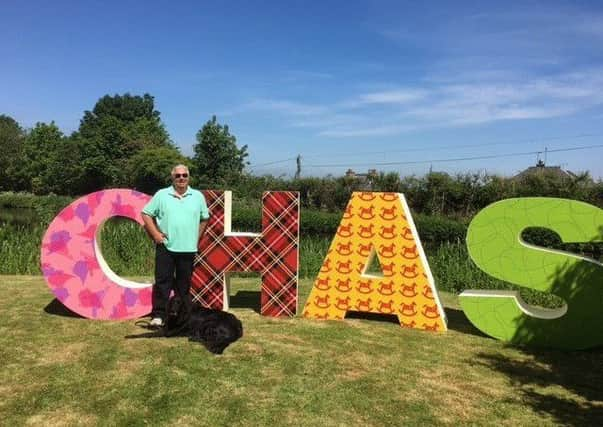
156 322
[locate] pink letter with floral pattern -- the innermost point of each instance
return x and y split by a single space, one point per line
73 264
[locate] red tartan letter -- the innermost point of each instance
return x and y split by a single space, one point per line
274 253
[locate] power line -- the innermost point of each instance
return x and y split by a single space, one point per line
443 147
456 159
440 147
273 163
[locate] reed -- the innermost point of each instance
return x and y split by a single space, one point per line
129 252
20 249
127 248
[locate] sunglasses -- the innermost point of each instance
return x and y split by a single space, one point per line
180 175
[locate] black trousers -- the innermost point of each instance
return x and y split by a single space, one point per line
173 270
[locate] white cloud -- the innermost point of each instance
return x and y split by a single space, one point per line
478 68
285 107
399 96
366 131
445 104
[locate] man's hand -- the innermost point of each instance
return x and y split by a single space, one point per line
152 230
159 238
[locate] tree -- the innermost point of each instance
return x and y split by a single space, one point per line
54 163
387 182
149 169
116 129
39 153
64 172
217 158
12 138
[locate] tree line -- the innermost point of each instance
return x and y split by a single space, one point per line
121 142
457 196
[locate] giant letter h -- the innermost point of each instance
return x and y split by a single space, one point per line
274 253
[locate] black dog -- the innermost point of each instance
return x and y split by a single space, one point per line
215 329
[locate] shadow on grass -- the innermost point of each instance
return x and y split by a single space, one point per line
56 308
457 321
152 333
246 299
578 373
385 318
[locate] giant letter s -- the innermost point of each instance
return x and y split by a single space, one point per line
495 245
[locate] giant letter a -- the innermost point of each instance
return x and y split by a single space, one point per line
377 224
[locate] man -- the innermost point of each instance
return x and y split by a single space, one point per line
175 218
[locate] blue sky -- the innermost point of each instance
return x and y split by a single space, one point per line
345 83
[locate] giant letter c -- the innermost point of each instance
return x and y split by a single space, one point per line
74 267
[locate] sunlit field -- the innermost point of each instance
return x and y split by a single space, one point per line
59 369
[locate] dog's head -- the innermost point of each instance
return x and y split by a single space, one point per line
177 318
215 329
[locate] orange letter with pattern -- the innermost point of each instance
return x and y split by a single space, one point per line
377 224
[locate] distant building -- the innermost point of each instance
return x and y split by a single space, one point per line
364 179
542 169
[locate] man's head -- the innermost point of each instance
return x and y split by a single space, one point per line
180 177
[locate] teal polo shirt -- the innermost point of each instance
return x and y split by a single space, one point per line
178 217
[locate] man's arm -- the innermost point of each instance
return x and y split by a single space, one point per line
151 227
202 226
204 219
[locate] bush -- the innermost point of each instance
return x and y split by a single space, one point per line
436 230
149 169
46 207
544 237
317 223
9 199
433 230
436 193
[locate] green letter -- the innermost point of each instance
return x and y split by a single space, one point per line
495 245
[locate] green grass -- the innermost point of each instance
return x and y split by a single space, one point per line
62 370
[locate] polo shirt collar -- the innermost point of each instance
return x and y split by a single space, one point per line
173 191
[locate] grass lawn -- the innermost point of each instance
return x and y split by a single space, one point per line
57 369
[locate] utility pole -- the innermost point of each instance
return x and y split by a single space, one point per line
298 171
